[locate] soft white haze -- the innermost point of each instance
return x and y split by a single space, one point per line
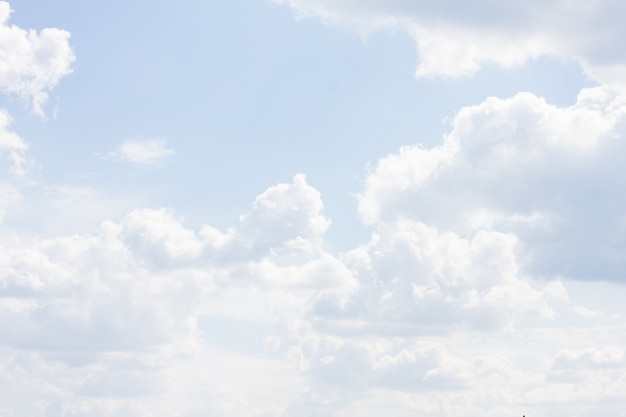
277 208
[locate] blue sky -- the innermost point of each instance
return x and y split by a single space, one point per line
244 87
311 208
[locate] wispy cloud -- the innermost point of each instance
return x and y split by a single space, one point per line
142 152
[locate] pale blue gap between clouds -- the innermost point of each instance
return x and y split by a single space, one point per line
246 96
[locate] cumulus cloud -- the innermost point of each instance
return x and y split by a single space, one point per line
418 279
547 176
31 62
289 214
455 39
142 152
158 236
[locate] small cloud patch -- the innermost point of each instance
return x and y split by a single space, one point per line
142 152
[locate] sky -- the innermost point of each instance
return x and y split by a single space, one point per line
312 208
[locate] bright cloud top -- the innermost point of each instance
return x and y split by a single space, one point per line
31 62
455 38
142 152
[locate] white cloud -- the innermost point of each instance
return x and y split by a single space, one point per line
31 62
455 39
286 215
8 139
159 237
414 278
16 147
549 176
422 365
606 357
142 152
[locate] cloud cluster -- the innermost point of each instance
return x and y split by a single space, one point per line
456 39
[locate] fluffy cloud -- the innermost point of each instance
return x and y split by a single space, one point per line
31 62
286 214
549 176
455 39
416 279
159 237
